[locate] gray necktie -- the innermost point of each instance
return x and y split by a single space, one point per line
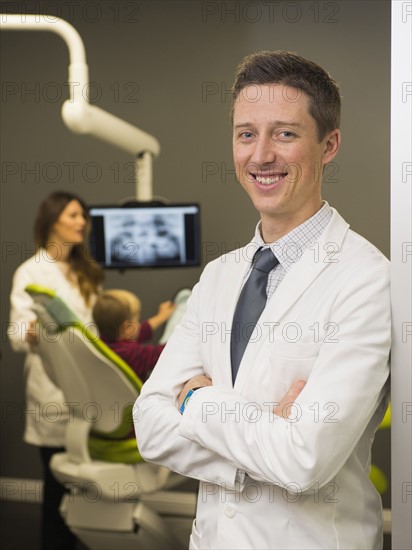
251 303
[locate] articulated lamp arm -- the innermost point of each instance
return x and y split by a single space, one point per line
81 117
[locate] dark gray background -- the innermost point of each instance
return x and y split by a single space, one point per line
167 66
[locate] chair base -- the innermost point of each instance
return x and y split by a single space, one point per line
161 520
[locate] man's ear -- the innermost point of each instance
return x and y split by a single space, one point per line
332 144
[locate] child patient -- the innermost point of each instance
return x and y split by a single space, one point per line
117 316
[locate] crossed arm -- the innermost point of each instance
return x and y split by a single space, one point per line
201 443
283 408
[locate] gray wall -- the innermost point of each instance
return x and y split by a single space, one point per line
171 63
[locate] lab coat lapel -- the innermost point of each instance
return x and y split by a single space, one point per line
295 283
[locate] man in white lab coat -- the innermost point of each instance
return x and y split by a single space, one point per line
272 481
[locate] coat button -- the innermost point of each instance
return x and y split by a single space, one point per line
230 511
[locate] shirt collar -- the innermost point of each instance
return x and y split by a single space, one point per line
290 248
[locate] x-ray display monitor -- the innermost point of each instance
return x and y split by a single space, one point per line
146 236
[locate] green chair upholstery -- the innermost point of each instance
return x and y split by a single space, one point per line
119 443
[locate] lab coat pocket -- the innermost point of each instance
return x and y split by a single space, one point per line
195 540
290 361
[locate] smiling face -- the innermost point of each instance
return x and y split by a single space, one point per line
277 155
70 227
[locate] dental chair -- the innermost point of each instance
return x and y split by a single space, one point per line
115 499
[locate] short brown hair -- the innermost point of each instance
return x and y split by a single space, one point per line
112 308
282 67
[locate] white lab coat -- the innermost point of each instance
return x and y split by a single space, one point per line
307 483
46 414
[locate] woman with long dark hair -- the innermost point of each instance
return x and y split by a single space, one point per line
61 262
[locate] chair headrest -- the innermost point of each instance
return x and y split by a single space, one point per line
64 318
55 307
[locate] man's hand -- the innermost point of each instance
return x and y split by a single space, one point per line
198 381
283 409
285 406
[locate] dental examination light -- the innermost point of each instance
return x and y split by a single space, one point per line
81 117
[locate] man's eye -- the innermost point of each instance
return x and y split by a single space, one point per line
287 134
246 135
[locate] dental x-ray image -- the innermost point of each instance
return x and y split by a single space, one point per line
146 236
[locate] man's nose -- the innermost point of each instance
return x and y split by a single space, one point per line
264 151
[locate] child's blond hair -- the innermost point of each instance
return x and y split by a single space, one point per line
112 309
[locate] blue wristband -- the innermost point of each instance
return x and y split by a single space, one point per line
186 399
